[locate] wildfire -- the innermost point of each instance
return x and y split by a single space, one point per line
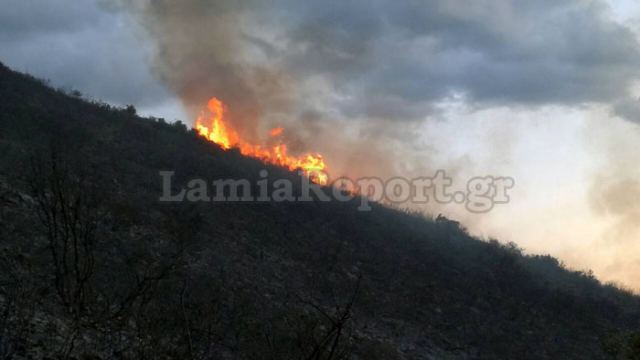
213 126
276 131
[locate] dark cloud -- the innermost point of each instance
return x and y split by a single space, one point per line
22 18
494 52
79 45
628 109
375 59
394 60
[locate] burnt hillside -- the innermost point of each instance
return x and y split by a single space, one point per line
93 266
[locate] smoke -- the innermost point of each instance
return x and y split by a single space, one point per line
358 80
369 71
615 197
202 52
271 69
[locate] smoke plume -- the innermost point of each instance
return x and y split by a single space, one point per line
358 80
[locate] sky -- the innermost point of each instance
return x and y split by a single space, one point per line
546 92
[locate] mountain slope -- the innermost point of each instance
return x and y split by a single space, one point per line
315 280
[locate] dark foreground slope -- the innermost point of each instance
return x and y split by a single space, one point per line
93 266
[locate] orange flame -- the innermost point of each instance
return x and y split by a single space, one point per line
222 133
276 131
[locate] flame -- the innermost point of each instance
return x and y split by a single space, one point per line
276 131
213 126
217 130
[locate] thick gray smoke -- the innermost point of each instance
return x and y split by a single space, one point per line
201 54
390 60
356 80
360 76
358 69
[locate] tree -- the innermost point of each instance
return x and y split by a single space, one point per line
131 110
68 206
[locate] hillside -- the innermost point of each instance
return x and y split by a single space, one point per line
95 267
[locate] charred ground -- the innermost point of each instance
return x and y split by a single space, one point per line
92 266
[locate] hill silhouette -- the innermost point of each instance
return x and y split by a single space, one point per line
93 266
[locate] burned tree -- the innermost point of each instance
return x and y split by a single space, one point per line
68 207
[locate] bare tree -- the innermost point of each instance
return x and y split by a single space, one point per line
68 206
332 343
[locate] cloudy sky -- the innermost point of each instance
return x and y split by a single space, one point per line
544 91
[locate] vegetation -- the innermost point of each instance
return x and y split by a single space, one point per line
92 266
